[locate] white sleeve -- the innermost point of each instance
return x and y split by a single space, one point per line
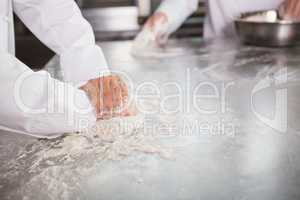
60 25
35 104
177 11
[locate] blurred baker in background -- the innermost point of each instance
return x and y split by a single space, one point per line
33 102
219 20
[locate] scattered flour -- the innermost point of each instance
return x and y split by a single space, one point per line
144 46
156 52
111 139
59 166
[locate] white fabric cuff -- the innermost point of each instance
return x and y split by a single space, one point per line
82 64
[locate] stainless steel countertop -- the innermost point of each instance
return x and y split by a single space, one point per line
249 159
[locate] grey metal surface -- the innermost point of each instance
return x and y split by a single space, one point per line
263 33
247 157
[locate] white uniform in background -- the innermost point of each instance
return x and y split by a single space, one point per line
33 102
220 13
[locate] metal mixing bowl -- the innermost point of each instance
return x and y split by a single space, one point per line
265 28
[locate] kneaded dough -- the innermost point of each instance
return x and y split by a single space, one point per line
144 46
270 16
158 52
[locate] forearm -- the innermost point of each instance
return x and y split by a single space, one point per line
60 25
34 103
57 23
177 11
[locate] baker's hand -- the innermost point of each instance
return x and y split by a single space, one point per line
290 10
158 25
107 94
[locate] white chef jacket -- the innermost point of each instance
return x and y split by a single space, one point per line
32 102
220 13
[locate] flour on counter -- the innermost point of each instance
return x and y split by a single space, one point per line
145 46
155 52
108 139
60 165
